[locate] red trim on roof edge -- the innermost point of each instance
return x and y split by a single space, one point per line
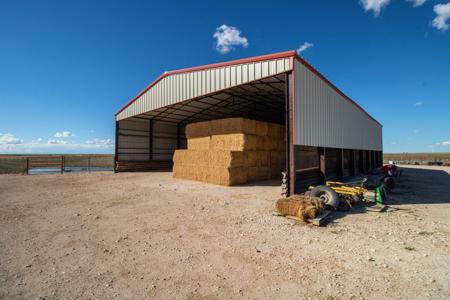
211 66
312 69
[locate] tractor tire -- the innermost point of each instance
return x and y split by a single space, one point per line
327 194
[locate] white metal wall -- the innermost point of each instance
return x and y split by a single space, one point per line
179 87
324 118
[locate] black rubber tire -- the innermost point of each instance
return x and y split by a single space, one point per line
326 193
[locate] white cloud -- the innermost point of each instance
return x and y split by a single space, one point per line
59 146
442 15
374 5
440 144
63 134
418 103
97 141
443 144
9 139
417 3
304 46
57 142
228 37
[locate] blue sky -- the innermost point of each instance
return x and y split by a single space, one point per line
67 66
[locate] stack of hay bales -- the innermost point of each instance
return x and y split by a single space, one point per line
231 151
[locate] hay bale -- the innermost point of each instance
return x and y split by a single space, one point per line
232 125
257 158
281 132
277 158
263 158
200 143
275 172
261 128
273 130
251 158
227 159
183 172
264 173
260 143
305 208
199 129
202 173
270 143
233 142
252 174
191 157
227 176
281 145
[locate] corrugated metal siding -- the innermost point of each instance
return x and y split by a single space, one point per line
179 87
324 118
134 140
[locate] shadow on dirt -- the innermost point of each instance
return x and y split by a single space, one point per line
421 186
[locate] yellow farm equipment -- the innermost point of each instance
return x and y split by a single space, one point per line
339 194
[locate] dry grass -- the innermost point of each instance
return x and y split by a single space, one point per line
421 158
305 208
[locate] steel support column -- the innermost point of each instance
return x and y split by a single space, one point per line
290 150
290 154
150 139
116 148
340 164
322 164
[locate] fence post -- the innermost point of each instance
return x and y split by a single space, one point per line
28 165
62 164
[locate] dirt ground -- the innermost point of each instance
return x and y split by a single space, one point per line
146 235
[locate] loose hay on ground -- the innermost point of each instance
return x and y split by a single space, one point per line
305 208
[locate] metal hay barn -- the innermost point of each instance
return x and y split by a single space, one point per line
328 135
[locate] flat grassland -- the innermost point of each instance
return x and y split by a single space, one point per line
420 158
147 236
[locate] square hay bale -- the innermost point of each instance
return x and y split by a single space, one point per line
256 158
232 125
264 173
191 172
272 129
258 173
260 143
233 142
281 132
263 158
252 174
275 172
201 173
227 159
199 129
261 128
227 176
180 156
200 143
281 145
277 158
251 158
270 143
191 157
183 172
